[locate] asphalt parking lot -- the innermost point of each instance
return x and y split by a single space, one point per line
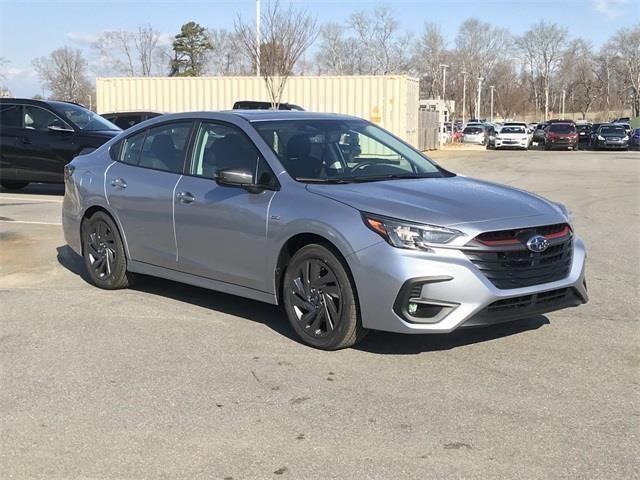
172 381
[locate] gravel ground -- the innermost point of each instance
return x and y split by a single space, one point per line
175 382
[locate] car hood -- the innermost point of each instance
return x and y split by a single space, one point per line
445 201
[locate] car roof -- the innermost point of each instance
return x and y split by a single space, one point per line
132 112
38 102
266 115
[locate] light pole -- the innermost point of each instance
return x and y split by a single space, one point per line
563 96
464 96
480 79
444 80
492 87
257 38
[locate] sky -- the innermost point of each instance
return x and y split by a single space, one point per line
30 29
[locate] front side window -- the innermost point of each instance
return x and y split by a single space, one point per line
225 147
342 151
165 146
36 118
10 115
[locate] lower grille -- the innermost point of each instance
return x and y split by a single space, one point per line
528 301
523 268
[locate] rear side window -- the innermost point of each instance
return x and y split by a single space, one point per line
10 115
132 148
165 146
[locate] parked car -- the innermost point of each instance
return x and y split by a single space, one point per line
622 120
330 216
538 133
634 140
126 120
561 135
474 134
612 136
592 133
257 105
584 130
512 136
39 137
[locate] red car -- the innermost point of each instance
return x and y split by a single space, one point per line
561 135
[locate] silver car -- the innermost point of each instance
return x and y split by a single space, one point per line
341 223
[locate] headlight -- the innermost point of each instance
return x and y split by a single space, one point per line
403 234
600 137
626 138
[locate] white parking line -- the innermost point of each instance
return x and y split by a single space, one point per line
31 223
31 199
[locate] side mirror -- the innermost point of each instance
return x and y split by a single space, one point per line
238 178
58 126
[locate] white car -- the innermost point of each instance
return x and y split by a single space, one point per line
474 134
514 136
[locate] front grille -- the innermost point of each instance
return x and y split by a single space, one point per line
520 267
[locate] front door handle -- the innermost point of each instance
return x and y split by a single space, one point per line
118 183
185 197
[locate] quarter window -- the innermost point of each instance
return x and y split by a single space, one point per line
132 148
222 147
10 115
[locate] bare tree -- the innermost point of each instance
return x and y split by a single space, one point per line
286 34
381 41
430 53
542 46
334 54
132 53
64 73
626 44
224 58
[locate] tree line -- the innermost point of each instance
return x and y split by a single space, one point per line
530 73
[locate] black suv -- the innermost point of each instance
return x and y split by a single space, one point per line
38 138
126 120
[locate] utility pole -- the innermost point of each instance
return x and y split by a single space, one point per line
464 96
90 105
257 38
492 87
563 94
480 79
444 80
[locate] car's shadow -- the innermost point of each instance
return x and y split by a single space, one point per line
273 317
37 189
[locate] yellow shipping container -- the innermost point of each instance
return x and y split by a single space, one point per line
390 101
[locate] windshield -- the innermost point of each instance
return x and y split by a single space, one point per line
562 128
512 130
584 128
616 130
342 151
472 130
85 119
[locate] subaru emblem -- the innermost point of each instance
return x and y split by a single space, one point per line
537 244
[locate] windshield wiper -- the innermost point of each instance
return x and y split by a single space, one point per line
323 180
390 176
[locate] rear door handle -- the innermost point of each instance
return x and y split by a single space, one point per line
118 183
185 197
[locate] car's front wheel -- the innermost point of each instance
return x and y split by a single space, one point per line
320 299
103 253
13 184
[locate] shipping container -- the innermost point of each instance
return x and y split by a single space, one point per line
389 101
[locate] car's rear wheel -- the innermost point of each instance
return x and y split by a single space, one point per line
320 299
13 184
103 253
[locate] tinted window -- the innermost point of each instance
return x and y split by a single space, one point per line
10 115
221 147
127 121
512 130
36 118
562 128
472 130
132 148
165 146
83 118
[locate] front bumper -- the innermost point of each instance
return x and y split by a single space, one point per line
450 280
512 143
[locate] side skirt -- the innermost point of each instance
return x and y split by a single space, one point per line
197 281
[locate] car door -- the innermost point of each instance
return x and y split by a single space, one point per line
221 230
140 188
10 130
44 151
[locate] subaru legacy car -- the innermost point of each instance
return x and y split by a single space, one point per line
39 137
338 221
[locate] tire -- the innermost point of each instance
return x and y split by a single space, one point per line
547 146
103 253
13 184
320 300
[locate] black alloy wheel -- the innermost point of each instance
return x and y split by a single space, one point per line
103 253
320 301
